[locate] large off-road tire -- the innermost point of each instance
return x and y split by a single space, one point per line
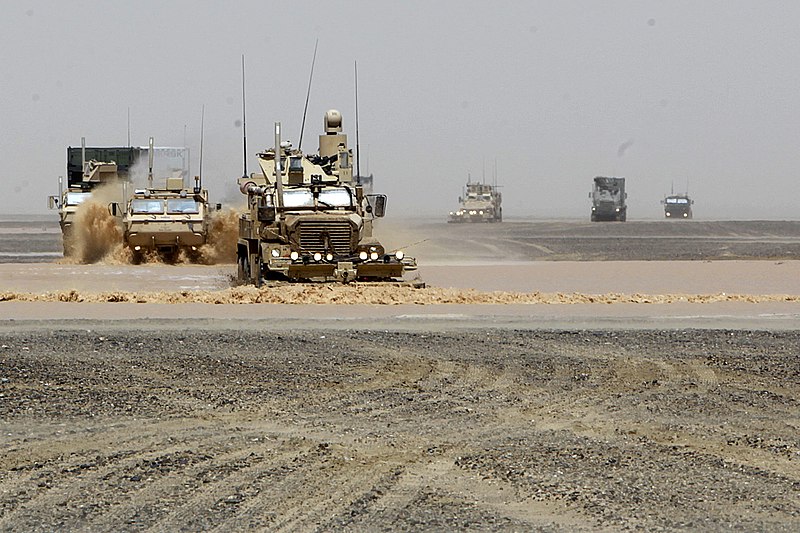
243 270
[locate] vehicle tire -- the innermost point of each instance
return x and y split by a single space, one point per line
243 270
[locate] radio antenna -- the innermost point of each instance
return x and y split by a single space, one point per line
129 126
308 95
244 125
202 119
358 146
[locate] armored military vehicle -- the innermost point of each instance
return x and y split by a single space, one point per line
480 203
306 219
608 199
81 181
88 167
677 206
166 220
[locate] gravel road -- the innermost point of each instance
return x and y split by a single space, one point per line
127 429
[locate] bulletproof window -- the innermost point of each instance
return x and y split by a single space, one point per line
142 206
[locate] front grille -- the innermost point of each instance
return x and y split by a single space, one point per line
319 236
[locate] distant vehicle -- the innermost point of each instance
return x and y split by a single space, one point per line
608 199
480 203
678 206
307 219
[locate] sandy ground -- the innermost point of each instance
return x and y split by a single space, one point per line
553 389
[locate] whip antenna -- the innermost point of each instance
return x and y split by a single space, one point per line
202 119
308 95
358 148
244 125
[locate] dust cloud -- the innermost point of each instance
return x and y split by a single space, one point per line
223 232
96 234
379 294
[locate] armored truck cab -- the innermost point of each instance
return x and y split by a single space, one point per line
167 220
306 219
77 192
480 203
608 199
678 206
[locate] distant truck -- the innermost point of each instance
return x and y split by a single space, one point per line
481 203
608 199
678 206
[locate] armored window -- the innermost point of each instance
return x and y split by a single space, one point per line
344 160
77 198
295 163
144 207
298 198
336 197
182 205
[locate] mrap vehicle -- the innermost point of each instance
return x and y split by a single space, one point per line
307 219
608 199
480 203
678 206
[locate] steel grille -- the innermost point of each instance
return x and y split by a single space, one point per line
314 235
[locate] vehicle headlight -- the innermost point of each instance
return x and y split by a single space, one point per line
618 210
294 256
275 252
399 255
329 257
317 256
686 214
480 212
363 255
137 248
373 255
669 214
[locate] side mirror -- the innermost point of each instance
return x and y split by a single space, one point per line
377 203
113 209
590 195
219 207
460 200
52 202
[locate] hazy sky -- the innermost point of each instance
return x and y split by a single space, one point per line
556 92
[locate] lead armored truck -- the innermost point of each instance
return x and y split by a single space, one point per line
307 219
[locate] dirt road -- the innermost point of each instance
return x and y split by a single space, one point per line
109 429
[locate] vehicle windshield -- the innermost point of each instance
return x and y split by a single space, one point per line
338 197
298 198
144 206
182 205
677 201
77 198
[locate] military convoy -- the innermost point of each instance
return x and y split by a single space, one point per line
480 203
306 218
608 199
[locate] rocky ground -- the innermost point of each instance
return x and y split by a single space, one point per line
105 428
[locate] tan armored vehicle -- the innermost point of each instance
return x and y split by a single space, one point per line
306 219
167 221
94 173
480 203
